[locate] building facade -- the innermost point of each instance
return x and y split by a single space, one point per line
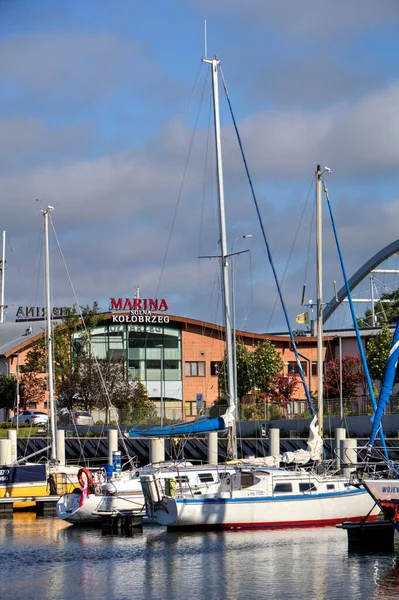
176 358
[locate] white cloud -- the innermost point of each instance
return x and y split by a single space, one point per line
318 18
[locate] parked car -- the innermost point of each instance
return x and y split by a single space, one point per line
76 417
34 417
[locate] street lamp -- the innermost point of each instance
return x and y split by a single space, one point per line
241 237
161 410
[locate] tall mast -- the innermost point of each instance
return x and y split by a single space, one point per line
224 253
49 330
319 269
3 277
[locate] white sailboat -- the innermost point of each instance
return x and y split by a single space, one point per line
257 496
25 479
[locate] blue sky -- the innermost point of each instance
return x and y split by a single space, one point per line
99 101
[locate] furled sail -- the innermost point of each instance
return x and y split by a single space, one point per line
200 426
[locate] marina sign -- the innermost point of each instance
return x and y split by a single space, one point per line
140 310
38 313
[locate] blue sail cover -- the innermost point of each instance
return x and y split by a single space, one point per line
387 383
200 426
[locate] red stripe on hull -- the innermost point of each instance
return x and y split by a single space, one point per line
276 525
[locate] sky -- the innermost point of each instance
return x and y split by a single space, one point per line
105 114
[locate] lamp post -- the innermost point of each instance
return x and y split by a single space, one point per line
161 410
233 306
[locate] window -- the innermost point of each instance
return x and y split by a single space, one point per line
30 405
282 488
195 369
307 487
191 409
215 367
205 477
293 367
330 486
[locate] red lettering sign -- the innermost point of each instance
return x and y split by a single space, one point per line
139 304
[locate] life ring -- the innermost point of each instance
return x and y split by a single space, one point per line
89 477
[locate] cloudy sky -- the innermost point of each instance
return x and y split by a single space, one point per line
105 115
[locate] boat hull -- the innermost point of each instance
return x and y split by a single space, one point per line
96 507
249 508
32 481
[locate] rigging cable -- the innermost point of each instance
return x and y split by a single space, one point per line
80 314
301 373
182 181
292 248
355 324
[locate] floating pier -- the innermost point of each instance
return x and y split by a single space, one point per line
124 522
41 505
370 536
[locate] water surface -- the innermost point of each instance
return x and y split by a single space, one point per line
48 560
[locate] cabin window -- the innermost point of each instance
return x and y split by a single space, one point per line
307 487
330 486
205 477
182 479
195 369
283 488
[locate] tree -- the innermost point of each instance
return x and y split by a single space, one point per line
255 370
266 364
377 353
69 352
386 311
8 391
352 377
32 387
244 371
138 407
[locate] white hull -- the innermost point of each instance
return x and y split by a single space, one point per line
96 507
383 489
124 492
329 502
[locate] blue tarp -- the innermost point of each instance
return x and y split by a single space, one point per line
200 426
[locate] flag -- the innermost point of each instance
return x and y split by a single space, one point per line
302 318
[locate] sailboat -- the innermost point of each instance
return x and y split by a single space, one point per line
256 495
25 479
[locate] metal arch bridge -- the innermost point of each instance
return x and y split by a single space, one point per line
360 274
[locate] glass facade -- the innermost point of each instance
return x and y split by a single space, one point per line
148 350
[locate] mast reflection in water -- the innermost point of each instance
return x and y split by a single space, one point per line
48 560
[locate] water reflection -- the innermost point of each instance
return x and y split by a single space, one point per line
68 563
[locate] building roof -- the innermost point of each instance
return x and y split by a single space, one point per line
15 336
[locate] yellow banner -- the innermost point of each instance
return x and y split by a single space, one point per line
302 318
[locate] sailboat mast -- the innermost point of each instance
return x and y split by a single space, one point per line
3 277
49 330
224 253
319 270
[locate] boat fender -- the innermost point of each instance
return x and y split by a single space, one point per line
228 481
137 473
83 476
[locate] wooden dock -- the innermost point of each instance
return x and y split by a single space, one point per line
41 505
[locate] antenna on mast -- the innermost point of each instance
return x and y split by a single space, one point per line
205 41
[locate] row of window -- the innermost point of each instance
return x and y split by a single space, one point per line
198 369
